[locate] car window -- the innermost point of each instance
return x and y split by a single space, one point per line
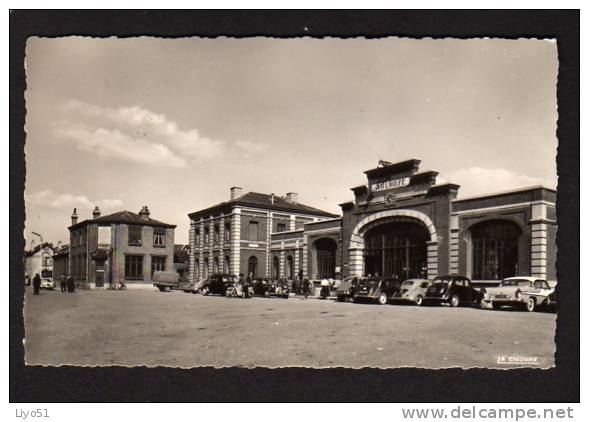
541 284
441 281
408 283
424 284
459 282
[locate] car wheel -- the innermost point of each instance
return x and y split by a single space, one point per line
204 291
382 299
455 300
341 298
531 304
419 300
161 288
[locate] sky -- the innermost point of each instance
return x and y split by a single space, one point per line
174 123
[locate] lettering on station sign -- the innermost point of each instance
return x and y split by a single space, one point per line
390 184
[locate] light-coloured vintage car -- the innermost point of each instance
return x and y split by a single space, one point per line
517 291
541 299
412 290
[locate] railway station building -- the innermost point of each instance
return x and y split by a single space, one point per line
400 224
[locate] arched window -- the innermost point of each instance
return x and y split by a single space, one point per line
252 266
397 250
216 265
326 249
290 268
495 250
275 268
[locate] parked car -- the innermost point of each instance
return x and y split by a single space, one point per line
279 288
536 294
376 289
262 286
412 290
516 291
47 283
165 280
218 283
453 289
347 289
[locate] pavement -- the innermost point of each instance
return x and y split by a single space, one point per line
176 329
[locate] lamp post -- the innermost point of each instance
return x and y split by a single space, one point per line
41 249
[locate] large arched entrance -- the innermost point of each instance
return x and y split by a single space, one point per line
397 249
420 235
325 250
495 249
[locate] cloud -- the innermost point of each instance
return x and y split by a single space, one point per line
477 180
49 199
134 134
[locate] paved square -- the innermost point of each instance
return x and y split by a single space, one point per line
147 327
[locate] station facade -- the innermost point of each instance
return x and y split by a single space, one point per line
400 224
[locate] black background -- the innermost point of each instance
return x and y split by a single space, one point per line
140 384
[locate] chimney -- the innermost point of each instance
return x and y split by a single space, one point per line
144 213
235 192
74 217
292 197
96 212
272 198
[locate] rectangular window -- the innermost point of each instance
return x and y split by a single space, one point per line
280 227
227 232
135 235
159 237
197 238
253 231
133 267
216 233
206 235
158 263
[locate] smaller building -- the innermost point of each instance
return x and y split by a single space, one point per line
61 262
39 260
120 247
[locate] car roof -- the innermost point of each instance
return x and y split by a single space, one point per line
524 278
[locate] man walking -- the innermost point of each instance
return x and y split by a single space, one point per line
246 285
62 283
71 287
36 284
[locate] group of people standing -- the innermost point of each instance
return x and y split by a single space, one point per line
67 284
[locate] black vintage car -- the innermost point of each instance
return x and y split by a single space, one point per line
347 289
218 284
453 289
376 289
262 286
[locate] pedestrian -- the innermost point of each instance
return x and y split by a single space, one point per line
36 284
71 287
295 286
306 287
62 283
246 285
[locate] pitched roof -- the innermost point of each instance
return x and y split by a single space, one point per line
266 201
124 217
37 248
